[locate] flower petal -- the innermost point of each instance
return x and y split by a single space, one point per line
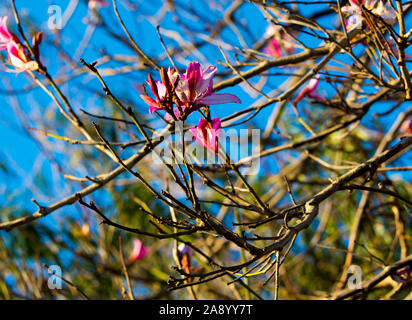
206 82
153 109
219 98
317 98
217 127
149 101
161 89
273 49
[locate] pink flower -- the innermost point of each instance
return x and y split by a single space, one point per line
355 6
159 90
273 48
5 35
20 58
310 90
139 251
281 43
164 92
207 134
96 4
356 15
196 85
410 126
18 54
180 95
355 12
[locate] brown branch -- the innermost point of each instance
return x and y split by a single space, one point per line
370 284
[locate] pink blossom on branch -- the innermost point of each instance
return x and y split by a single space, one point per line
164 91
181 94
377 8
195 88
207 134
19 57
280 44
310 90
273 48
5 35
138 253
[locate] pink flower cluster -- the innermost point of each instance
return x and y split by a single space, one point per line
182 94
356 10
19 56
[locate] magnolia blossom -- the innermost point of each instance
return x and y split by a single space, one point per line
5 35
310 90
281 43
355 12
273 48
181 94
378 8
19 57
207 134
164 91
195 88
139 251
